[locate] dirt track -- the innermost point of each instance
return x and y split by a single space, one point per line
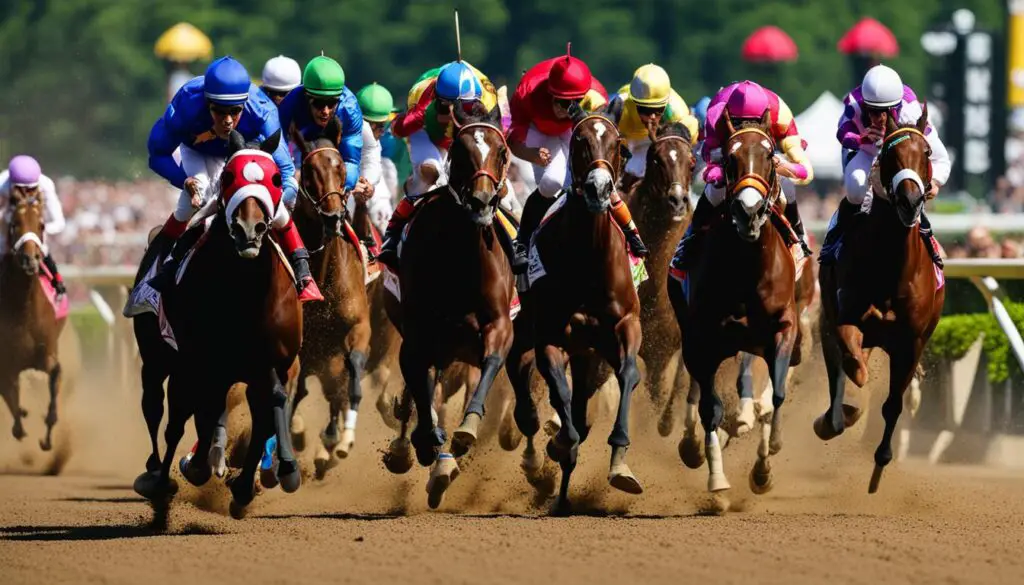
927 525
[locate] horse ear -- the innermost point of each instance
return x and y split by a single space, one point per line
766 120
333 131
494 117
304 146
890 124
236 142
576 112
459 113
727 120
270 145
922 122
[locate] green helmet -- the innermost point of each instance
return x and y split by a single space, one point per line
376 103
323 77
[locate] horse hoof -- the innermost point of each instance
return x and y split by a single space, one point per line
19 432
330 440
298 425
557 451
323 462
509 437
149 486
298 441
426 445
691 451
398 458
348 440
218 461
562 508
824 429
876 478
718 483
552 425
268 479
238 511
775 442
761 481
851 414
196 475
624 480
45 444
290 481
465 436
666 424
532 461
441 477
745 419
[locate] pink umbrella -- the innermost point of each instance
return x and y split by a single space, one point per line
869 37
769 44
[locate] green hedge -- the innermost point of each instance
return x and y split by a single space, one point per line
955 333
91 329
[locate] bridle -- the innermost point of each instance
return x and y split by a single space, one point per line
318 202
597 162
686 144
768 188
898 136
459 193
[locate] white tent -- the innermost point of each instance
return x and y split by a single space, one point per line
817 125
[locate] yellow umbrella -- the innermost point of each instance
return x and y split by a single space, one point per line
183 43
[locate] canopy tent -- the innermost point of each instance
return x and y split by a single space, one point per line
869 37
817 125
769 44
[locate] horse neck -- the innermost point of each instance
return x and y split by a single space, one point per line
17 289
591 231
651 210
893 241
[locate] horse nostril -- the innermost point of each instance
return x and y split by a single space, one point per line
260 228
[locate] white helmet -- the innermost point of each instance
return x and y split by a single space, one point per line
281 74
882 87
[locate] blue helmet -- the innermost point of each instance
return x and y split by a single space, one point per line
226 82
700 109
456 81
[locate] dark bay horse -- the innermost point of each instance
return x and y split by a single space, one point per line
661 208
587 311
883 291
249 332
336 332
28 321
741 298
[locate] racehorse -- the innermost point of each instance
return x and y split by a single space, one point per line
253 337
661 208
27 317
336 340
891 292
587 309
741 297
456 288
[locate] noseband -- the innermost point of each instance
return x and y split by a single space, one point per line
318 202
766 187
597 162
482 172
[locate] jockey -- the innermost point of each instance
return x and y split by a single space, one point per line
280 75
540 133
199 120
310 107
377 106
24 174
745 100
646 102
861 131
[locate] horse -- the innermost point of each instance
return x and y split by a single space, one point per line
253 337
661 208
892 295
336 340
32 328
456 288
587 310
741 297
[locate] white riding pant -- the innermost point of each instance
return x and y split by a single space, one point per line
423 152
637 165
207 170
554 177
857 177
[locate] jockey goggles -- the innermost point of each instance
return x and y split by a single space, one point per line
566 103
650 110
323 102
220 110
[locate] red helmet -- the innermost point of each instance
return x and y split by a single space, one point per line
569 78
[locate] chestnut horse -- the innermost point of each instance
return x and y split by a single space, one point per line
741 297
587 311
883 291
250 333
336 340
27 318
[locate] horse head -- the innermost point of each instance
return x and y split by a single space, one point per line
596 157
323 178
751 180
250 187
25 230
670 164
904 167
478 159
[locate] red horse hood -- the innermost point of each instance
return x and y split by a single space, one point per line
250 173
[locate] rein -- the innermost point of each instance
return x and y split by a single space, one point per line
317 202
599 162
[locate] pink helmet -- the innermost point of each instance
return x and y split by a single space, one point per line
24 171
747 100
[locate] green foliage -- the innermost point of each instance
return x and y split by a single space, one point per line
955 334
91 328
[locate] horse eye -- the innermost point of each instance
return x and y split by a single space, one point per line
276 179
227 178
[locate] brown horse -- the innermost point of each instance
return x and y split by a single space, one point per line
661 208
741 297
336 339
587 311
27 318
883 291
249 332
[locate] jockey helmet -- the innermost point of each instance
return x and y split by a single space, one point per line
650 86
747 100
281 74
882 87
700 109
24 171
323 77
376 103
226 82
569 78
456 81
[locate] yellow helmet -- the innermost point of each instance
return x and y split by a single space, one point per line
650 86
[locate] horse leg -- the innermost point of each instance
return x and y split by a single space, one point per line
298 423
833 422
427 438
243 487
197 467
519 367
667 421
497 341
54 372
153 409
619 474
219 446
745 387
903 360
564 446
180 407
691 446
355 365
778 368
330 437
287 467
702 367
12 396
398 458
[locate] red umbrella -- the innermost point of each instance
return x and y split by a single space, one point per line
869 37
769 44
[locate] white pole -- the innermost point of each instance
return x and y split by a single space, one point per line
458 36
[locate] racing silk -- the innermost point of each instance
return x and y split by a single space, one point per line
855 119
53 213
532 103
422 109
187 121
294 109
632 128
783 130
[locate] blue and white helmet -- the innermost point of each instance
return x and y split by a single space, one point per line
456 81
226 82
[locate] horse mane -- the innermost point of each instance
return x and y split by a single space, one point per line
477 114
675 129
577 114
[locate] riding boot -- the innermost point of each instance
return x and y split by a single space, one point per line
925 227
834 235
793 217
298 257
699 224
622 216
56 280
533 212
513 249
164 279
393 234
